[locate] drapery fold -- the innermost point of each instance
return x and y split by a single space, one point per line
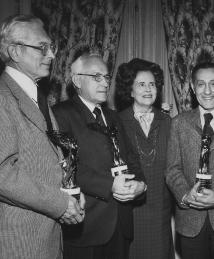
73 23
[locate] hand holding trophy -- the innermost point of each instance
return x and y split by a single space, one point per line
119 166
69 161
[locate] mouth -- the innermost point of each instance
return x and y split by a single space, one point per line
147 96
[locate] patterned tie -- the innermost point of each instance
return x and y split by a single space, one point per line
43 106
208 130
99 118
145 119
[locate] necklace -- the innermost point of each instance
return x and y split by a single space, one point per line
147 157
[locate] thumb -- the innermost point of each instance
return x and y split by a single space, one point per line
195 187
129 176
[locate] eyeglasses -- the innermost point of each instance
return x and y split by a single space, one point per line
44 48
98 77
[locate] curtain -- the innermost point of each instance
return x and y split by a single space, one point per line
143 36
73 23
189 27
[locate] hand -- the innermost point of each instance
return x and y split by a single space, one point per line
135 188
121 187
75 212
192 198
206 198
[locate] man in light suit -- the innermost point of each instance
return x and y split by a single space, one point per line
107 228
194 219
31 203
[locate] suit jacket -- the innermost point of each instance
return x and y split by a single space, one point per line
94 174
30 179
183 163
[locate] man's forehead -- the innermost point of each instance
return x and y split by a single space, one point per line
204 73
93 62
34 32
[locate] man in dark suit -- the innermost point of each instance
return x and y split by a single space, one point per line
194 219
107 229
31 202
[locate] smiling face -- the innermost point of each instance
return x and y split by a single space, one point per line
90 89
31 61
203 87
144 90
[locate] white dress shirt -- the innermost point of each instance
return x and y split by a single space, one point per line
25 82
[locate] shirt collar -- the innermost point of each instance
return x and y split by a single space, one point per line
90 105
25 82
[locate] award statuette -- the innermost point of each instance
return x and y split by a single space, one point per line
203 175
119 166
68 163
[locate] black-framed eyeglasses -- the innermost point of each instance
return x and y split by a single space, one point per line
98 77
44 48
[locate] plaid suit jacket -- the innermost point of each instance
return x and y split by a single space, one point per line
30 177
182 165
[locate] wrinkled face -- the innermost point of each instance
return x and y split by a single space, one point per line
93 88
144 90
31 61
203 87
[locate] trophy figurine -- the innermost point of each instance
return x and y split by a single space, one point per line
68 163
203 175
119 166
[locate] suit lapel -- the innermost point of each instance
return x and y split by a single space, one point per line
26 105
82 109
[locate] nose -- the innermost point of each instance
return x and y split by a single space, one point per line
51 54
148 87
106 83
207 89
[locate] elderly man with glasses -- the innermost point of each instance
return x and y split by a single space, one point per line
103 149
31 202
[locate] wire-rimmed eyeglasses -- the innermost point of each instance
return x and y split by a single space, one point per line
44 48
98 77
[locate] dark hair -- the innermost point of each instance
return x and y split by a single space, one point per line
204 65
125 77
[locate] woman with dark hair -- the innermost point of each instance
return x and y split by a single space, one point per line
138 84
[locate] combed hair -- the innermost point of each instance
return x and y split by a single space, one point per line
10 31
204 65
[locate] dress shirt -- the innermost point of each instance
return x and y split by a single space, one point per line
25 82
91 107
144 118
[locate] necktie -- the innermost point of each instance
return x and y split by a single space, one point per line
43 106
145 119
99 118
208 130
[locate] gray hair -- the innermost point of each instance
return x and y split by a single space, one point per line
11 30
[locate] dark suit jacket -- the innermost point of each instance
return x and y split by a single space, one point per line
30 179
94 176
182 166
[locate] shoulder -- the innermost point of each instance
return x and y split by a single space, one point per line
184 117
62 106
126 114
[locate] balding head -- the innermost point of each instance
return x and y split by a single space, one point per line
90 77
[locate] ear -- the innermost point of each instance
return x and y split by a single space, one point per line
14 52
192 86
76 81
